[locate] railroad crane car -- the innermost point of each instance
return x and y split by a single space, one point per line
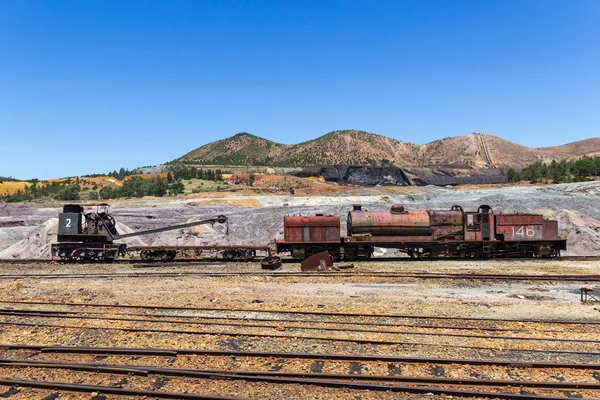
423 233
91 236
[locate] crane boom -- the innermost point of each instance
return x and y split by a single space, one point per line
220 219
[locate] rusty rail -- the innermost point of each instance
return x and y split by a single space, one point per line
282 274
305 378
10 311
293 327
289 355
283 336
299 312
78 387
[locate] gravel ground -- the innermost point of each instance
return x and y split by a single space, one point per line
373 296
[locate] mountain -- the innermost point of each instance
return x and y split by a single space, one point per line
355 147
240 149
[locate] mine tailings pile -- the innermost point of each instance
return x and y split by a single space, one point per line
439 175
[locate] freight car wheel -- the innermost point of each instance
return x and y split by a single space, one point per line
228 255
249 255
169 255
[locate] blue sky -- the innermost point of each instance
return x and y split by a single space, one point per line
92 86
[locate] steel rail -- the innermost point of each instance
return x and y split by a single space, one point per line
116 390
571 278
300 312
11 311
282 380
280 336
144 370
290 355
296 327
377 259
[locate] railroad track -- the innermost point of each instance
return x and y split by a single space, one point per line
320 371
334 274
222 373
157 307
218 261
579 338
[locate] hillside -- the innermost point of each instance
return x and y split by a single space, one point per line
354 147
240 149
350 147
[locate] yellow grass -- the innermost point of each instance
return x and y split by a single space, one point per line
12 187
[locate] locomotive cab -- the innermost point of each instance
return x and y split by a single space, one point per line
479 225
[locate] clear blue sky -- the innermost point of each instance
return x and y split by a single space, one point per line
92 86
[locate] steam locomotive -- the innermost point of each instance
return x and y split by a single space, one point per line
431 233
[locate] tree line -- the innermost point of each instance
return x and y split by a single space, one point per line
64 190
557 172
137 186
177 172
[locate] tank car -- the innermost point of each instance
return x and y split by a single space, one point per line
304 236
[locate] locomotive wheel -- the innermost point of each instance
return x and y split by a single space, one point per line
145 255
350 255
473 253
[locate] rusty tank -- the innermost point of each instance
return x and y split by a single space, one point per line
399 222
318 228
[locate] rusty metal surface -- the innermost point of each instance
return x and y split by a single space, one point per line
79 387
390 240
191 248
271 262
550 230
317 262
520 227
386 223
317 228
519 219
447 232
317 356
446 217
289 378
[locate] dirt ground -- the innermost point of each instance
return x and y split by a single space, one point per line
436 297
249 295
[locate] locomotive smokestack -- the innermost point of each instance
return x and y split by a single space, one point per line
357 207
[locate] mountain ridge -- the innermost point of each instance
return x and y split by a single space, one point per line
355 147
